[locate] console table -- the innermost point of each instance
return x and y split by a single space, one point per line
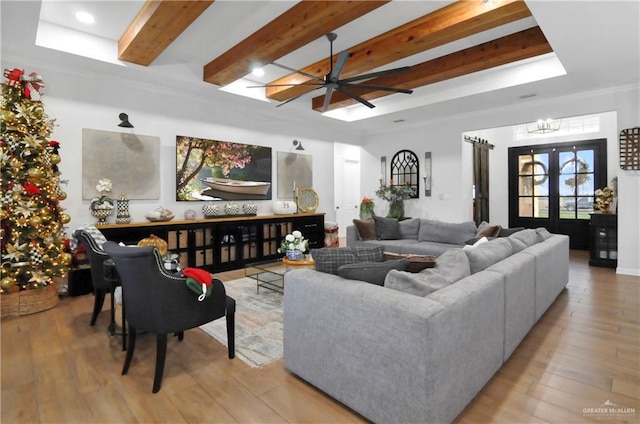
223 244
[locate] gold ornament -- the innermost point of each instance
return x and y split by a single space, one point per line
7 283
35 173
65 258
16 164
55 159
62 195
65 218
35 221
8 116
22 128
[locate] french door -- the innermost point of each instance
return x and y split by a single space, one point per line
553 186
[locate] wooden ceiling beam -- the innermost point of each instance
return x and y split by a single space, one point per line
519 46
454 22
156 26
305 22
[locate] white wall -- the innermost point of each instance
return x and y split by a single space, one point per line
452 160
78 101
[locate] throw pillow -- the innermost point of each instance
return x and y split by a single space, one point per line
387 228
371 272
368 253
506 232
330 259
487 230
366 229
516 245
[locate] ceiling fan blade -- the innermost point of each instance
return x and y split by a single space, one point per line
355 97
297 71
381 88
335 72
318 84
295 98
327 99
376 74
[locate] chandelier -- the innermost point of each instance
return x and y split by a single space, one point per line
544 126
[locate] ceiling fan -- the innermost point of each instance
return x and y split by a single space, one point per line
332 81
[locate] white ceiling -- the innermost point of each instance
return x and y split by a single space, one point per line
596 45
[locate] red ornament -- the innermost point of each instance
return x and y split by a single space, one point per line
31 188
14 75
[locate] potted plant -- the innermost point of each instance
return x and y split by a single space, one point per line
395 195
102 206
293 246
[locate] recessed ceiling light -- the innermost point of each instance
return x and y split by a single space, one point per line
85 17
257 72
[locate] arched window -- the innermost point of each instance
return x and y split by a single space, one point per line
404 170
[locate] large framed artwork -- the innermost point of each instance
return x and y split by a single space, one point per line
295 171
221 170
130 161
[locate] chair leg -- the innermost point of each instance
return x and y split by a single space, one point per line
97 305
161 355
130 349
124 328
180 335
231 332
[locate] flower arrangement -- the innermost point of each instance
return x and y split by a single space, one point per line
366 208
394 193
293 241
604 199
103 201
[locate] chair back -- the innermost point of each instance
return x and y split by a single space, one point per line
93 239
156 300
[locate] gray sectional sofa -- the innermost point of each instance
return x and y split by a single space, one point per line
396 357
417 236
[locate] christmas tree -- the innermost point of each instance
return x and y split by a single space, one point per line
33 241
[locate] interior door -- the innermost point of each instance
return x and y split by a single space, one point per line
347 191
553 186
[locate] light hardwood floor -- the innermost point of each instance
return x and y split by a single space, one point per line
57 369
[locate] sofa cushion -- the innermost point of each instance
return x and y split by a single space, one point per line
450 267
365 229
528 236
372 253
409 228
420 284
488 254
387 228
516 245
453 265
488 230
542 234
446 232
371 272
330 259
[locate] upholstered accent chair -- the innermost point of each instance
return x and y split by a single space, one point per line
93 241
160 302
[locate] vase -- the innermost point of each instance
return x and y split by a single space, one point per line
294 255
396 209
102 214
122 215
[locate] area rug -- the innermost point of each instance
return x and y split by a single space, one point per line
258 323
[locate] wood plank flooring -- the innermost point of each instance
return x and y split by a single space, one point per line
57 369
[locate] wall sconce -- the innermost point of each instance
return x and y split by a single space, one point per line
298 145
124 121
383 169
427 174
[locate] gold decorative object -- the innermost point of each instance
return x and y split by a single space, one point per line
630 149
156 241
307 200
604 199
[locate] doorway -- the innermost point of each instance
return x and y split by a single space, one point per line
553 186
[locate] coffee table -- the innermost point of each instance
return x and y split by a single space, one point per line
270 275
